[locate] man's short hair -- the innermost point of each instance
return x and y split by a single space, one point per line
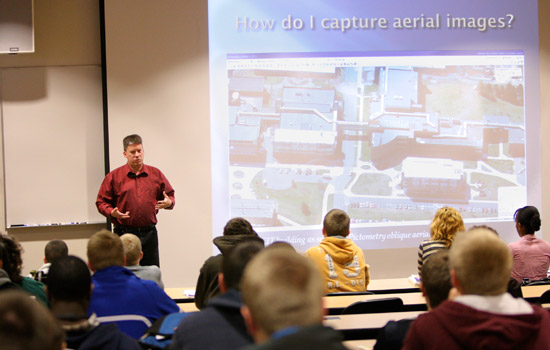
132 248
436 278
238 226
11 257
55 249
282 288
105 249
130 140
336 223
69 279
482 262
235 261
26 324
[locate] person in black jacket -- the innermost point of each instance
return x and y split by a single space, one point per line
236 230
69 291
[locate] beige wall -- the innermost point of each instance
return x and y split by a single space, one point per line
167 43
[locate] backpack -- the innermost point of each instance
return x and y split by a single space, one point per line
159 335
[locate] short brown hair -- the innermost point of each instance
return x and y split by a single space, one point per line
55 249
27 324
446 223
105 249
481 261
436 277
336 223
130 140
281 289
132 248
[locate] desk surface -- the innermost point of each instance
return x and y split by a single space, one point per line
366 321
341 301
363 344
391 285
534 291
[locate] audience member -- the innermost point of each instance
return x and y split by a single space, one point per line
12 264
69 291
341 262
133 253
281 245
5 281
223 313
282 292
531 254
26 324
118 292
481 315
236 230
435 287
514 287
54 249
446 223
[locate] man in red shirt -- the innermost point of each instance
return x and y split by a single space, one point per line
132 195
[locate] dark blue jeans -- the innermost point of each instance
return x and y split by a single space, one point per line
149 242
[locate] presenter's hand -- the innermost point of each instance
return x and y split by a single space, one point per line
118 215
165 203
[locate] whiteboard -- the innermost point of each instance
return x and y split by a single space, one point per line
53 144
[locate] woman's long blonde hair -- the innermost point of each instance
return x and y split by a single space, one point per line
446 223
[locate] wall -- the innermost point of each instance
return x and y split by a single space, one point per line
66 34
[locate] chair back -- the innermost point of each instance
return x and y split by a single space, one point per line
545 297
374 306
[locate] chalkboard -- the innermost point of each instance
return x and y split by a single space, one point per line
53 144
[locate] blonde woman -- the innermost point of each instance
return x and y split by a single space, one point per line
446 223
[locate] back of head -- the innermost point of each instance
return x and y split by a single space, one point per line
238 226
132 248
529 218
55 249
481 262
131 140
26 324
282 289
11 257
446 223
336 223
436 278
235 261
105 249
69 280
281 245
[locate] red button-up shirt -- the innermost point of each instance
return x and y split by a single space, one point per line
138 194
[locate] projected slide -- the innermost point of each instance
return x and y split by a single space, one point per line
389 136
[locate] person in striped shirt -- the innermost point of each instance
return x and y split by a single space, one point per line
446 223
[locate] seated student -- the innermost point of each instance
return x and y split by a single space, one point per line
236 230
54 249
5 281
282 292
223 313
341 262
26 324
435 287
133 253
69 291
445 224
481 314
118 292
12 263
531 254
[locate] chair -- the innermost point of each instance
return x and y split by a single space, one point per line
133 325
545 297
374 306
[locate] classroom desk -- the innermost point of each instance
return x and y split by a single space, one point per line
179 296
391 285
411 301
361 344
534 291
188 307
365 326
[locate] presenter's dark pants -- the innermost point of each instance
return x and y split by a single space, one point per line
149 242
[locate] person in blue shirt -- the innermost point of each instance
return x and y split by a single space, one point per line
119 295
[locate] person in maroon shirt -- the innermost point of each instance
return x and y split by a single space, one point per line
131 197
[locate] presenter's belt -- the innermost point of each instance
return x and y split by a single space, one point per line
133 229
